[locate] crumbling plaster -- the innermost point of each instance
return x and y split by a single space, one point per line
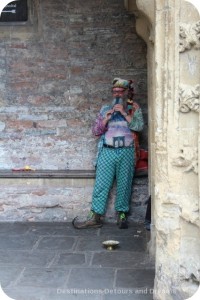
171 30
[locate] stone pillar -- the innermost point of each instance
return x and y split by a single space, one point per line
172 33
186 164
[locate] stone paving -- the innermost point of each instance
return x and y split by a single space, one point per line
54 261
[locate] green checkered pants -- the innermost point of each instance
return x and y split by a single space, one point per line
113 163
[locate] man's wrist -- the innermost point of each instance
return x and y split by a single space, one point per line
124 114
105 120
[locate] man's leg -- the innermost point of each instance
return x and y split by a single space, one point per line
124 177
105 174
104 179
148 214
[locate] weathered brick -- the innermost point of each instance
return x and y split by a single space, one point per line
54 79
18 124
51 124
17 46
22 86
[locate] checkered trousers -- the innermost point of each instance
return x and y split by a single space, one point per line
113 163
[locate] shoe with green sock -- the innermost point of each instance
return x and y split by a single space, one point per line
93 221
122 221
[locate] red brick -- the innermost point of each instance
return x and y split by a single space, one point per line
77 70
39 193
22 86
19 125
18 46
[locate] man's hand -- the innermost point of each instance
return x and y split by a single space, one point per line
120 108
109 114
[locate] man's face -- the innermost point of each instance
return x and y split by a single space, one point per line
119 92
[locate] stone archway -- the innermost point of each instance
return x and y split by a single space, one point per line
171 30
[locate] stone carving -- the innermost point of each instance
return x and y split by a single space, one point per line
187 158
189 36
189 98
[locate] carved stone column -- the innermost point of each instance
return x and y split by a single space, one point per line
172 33
187 160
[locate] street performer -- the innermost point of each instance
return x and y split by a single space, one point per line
117 126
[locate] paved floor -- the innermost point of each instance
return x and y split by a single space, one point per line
53 261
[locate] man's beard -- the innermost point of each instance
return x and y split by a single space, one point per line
117 100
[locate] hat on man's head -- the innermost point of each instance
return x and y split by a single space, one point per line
121 83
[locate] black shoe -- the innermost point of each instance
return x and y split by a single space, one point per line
147 225
122 221
93 221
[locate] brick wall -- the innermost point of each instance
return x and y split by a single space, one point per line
56 73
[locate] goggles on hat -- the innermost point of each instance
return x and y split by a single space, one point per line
118 90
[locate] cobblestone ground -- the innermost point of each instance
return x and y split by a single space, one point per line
54 261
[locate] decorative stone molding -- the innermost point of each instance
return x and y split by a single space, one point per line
189 36
189 98
144 13
187 158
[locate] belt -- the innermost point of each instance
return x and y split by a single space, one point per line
109 146
112 147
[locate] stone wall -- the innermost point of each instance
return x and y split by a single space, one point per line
56 73
60 199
